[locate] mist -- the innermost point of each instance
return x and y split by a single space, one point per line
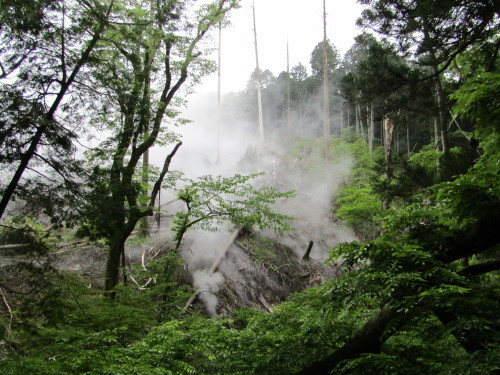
287 164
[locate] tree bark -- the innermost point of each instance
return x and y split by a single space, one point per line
371 132
144 230
259 85
219 73
388 133
356 112
308 251
441 102
362 120
368 339
341 119
326 87
408 150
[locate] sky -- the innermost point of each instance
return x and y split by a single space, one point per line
299 21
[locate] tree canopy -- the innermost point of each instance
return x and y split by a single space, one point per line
415 114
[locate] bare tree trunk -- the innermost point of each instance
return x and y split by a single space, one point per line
441 102
437 141
356 112
348 114
382 133
219 71
300 120
371 133
144 230
440 96
408 150
259 85
362 121
341 120
287 121
388 130
437 134
215 264
326 98
397 141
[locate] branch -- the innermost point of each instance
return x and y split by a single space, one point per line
481 236
166 165
50 164
479 269
9 326
367 340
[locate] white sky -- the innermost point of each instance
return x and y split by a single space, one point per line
301 21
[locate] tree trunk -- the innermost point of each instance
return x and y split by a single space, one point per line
362 120
441 102
116 249
382 133
341 119
144 230
437 134
437 141
397 141
367 340
326 98
371 134
287 115
388 130
348 114
259 85
219 71
440 96
356 112
408 138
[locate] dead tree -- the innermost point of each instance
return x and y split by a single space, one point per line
259 84
326 99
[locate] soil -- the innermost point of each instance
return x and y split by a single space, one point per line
258 272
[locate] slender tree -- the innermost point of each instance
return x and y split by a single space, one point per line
326 86
258 83
45 48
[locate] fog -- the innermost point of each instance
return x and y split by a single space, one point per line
288 165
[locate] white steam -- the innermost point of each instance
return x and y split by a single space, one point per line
208 285
314 180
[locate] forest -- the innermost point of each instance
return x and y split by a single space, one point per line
353 230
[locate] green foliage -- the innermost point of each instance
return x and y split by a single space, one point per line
474 100
70 328
361 209
212 200
28 231
429 259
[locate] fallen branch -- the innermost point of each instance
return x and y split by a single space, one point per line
223 251
14 246
308 251
215 265
9 326
264 302
169 202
